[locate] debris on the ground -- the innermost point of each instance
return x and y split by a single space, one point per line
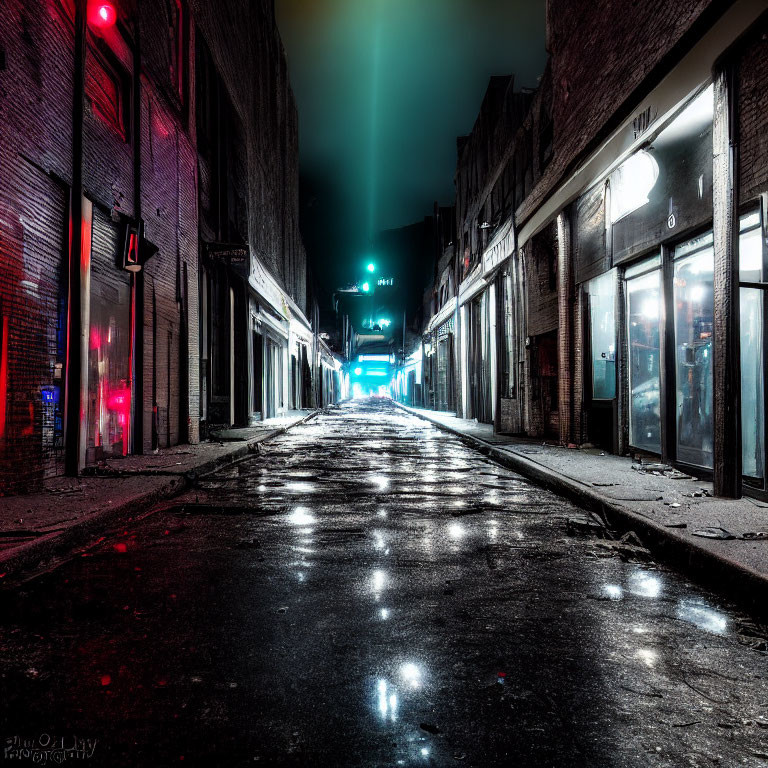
248 544
654 468
755 643
676 474
714 532
629 547
630 537
755 536
585 524
65 490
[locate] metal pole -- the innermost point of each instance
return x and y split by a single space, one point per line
74 376
137 353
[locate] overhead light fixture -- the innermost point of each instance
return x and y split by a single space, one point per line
485 225
101 14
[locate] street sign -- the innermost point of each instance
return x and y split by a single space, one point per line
236 256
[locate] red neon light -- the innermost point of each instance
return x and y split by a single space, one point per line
101 14
133 257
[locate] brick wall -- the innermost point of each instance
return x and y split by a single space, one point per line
601 53
248 55
753 112
541 282
35 136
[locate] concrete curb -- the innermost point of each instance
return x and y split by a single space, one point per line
40 552
709 566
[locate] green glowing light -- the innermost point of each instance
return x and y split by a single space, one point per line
366 287
371 267
358 371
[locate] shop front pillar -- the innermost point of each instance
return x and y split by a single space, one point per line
726 362
564 328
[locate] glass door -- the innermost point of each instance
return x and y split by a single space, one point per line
643 283
694 320
602 334
752 297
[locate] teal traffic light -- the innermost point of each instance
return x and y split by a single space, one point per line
371 267
366 287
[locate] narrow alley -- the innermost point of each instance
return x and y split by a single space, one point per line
367 590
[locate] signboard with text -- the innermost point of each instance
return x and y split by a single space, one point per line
236 256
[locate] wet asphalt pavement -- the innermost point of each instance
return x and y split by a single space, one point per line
371 592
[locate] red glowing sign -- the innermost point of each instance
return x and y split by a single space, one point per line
101 14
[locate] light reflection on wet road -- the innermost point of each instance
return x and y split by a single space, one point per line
371 592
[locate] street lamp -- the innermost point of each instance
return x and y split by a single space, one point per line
371 267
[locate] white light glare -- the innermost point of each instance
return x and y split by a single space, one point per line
613 591
456 531
379 578
631 183
645 585
412 674
301 516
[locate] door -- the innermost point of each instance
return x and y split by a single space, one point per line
643 292
257 341
753 295
109 347
694 321
269 380
546 383
601 381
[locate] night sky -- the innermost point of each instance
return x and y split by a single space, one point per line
383 88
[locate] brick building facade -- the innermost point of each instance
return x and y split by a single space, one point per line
618 299
156 133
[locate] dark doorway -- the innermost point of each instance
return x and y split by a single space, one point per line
545 384
258 372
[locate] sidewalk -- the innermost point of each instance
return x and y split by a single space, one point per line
71 512
667 509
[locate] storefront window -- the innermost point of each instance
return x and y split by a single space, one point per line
109 391
109 347
693 313
751 328
643 317
602 297
752 415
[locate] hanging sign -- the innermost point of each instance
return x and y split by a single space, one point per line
236 256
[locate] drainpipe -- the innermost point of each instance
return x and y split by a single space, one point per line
137 356
726 352
565 327
74 452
